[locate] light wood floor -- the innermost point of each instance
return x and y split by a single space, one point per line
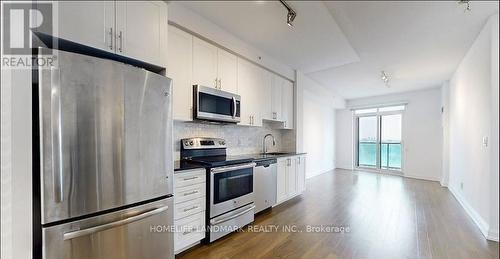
388 217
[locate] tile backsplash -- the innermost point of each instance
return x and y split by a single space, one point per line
239 139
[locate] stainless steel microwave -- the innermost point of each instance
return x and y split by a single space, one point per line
215 105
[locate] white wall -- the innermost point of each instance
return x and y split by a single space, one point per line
445 121
317 125
473 172
16 160
421 131
344 149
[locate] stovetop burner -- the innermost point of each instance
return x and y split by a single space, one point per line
210 152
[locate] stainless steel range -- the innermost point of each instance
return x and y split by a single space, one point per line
230 202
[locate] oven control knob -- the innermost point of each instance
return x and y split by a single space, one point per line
222 142
191 143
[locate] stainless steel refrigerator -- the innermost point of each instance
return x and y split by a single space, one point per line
106 160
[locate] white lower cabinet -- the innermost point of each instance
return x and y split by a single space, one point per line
290 177
189 208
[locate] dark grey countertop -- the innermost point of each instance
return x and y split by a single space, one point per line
185 165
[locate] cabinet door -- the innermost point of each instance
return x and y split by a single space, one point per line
281 180
276 95
267 96
249 78
292 177
204 63
87 22
227 71
141 30
179 68
301 173
287 104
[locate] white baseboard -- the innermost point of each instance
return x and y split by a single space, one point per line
476 218
493 235
418 177
319 173
345 167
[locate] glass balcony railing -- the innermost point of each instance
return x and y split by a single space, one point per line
390 155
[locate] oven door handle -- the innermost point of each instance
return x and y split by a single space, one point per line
223 169
217 222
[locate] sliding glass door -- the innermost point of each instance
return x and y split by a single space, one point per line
390 141
379 138
367 141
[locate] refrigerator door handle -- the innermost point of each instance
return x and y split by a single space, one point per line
114 224
55 114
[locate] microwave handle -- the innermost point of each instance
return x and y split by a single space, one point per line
234 107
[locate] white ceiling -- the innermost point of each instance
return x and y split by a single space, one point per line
344 45
314 43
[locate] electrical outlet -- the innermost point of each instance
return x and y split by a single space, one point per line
462 185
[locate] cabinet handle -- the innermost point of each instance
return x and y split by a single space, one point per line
120 36
192 208
216 84
190 178
188 231
190 193
220 84
111 38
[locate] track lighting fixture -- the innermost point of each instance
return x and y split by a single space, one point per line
466 3
290 16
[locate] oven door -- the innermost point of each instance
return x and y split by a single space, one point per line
216 105
230 188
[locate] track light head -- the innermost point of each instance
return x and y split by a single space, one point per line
290 16
385 78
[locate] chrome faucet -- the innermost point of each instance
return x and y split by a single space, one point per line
264 148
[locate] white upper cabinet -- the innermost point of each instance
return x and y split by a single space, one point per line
287 105
87 22
227 71
276 95
267 97
141 30
204 63
214 67
179 68
250 79
136 29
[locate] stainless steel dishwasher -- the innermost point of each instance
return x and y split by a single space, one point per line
264 184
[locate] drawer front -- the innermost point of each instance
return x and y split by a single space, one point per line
189 178
189 230
189 193
188 208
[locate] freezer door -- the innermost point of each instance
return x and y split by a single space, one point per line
106 136
140 232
